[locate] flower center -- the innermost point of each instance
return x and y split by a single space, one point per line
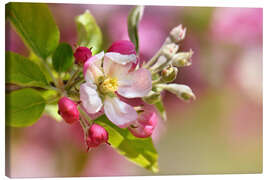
109 85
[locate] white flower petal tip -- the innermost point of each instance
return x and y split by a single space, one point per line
90 98
120 113
121 58
91 60
136 84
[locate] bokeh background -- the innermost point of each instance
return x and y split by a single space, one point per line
220 132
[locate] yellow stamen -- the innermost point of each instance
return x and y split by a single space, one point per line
109 85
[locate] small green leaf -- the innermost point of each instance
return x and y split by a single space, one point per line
160 107
62 58
138 150
89 33
134 18
23 107
52 110
23 72
35 23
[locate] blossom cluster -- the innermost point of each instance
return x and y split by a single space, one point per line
125 89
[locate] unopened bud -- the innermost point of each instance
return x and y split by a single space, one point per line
160 62
169 74
68 110
152 97
178 33
181 91
182 59
81 55
169 50
96 136
123 47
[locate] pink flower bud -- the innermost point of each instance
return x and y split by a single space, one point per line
96 136
123 47
81 55
145 124
68 110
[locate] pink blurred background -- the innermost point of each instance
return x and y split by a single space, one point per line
220 132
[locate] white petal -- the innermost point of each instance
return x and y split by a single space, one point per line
92 68
93 73
120 113
136 84
121 58
113 69
90 98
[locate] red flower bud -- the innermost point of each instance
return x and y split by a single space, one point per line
68 110
145 124
82 54
123 47
96 136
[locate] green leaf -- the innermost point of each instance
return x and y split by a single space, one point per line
62 58
160 107
23 107
23 72
35 23
134 18
138 150
37 60
89 33
52 110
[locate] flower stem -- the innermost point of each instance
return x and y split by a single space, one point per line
157 81
53 100
73 77
75 83
84 115
155 57
51 75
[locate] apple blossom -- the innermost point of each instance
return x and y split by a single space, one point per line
108 74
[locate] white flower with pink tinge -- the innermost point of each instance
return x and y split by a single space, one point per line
108 73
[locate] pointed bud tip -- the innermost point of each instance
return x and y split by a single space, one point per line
178 33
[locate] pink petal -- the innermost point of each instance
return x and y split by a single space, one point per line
113 69
90 98
135 84
120 113
122 46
